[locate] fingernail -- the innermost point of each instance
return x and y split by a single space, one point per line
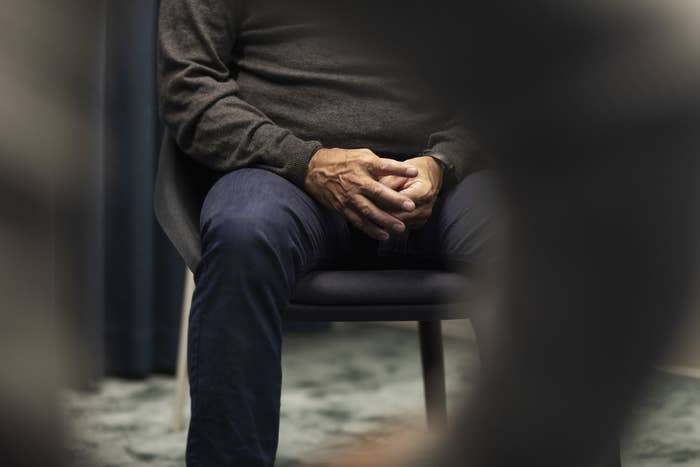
399 228
408 205
411 172
384 236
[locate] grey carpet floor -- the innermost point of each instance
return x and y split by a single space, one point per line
338 387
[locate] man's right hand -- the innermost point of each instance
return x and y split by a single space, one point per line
347 180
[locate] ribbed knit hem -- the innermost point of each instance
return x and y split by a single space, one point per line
299 153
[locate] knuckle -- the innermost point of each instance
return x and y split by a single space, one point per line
366 211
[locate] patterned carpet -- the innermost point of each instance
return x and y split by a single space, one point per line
337 387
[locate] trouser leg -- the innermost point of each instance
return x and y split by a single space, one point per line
466 225
259 234
465 233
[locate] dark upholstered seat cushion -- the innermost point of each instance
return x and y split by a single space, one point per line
383 287
381 295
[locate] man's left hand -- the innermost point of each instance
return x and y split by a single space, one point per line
422 190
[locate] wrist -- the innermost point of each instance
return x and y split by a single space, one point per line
319 153
449 172
313 161
317 158
440 177
439 164
437 169
432 169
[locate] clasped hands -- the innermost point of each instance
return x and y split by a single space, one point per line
378 196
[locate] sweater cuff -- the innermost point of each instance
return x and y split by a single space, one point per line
299 153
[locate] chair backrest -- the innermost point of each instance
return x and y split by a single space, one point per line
181 185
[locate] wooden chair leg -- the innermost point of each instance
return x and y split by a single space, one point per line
430 333
181 371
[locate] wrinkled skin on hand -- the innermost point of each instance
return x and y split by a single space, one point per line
347 180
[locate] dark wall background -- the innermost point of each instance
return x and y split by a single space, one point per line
143 276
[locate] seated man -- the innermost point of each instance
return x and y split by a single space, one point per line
325 155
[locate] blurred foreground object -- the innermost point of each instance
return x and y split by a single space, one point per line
48 145
592 110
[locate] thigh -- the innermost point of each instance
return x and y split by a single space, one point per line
466 225
249 204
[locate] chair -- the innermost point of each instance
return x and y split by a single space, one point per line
425 296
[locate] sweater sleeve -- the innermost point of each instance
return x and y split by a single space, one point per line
456 148
199 99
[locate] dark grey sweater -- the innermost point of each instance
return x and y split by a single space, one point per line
243 85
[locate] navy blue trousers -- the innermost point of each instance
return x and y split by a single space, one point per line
260 234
